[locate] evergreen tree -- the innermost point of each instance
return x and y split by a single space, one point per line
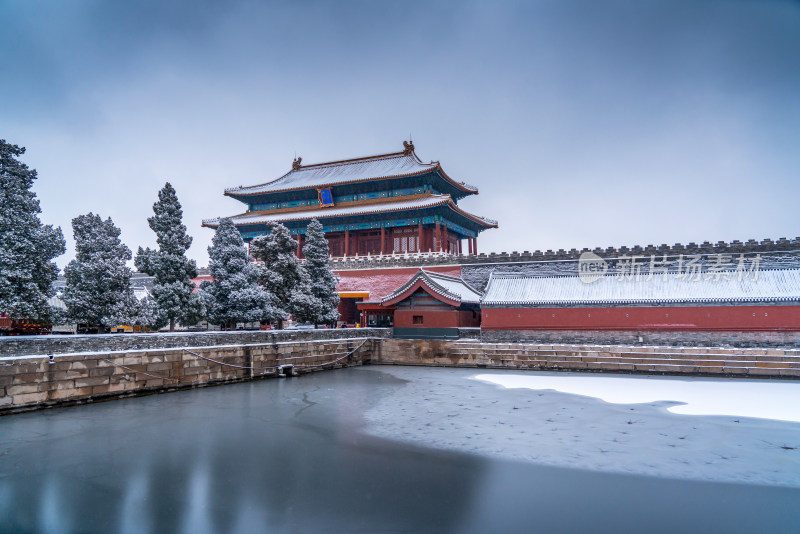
148 315
234 295
282 275
98 291
322 282
173 289
27 247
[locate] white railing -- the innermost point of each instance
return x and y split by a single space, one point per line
396 255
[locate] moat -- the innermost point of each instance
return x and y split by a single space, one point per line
393 449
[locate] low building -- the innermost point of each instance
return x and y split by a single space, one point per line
428 305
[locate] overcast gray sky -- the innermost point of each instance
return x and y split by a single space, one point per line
583 123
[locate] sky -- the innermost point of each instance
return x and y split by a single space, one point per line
585 123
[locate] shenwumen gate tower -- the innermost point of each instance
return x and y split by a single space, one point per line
385 204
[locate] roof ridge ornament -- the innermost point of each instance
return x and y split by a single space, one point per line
408 147
296 163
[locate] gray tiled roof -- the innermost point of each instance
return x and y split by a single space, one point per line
338 172
519 289
451 287
389 205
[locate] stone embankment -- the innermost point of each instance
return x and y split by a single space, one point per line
93 368
773 363
101 367
57 344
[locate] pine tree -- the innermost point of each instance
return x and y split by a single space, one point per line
234 295
27 247
322 282
148 315
282 275
98 291
173 289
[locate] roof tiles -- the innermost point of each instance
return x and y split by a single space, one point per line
338 172
427 201
515 289
450 287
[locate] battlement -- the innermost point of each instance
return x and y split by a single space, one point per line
752 246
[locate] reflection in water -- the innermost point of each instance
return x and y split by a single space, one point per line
133 517
290 456
48 514
196 519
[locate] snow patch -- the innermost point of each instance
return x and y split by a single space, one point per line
766 399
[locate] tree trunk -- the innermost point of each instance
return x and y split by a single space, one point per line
172 324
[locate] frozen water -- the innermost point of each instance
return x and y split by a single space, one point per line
767 399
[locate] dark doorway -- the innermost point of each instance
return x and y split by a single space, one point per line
348 312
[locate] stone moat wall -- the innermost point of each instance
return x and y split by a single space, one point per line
701 338
125 367
41 381
709 361
57 344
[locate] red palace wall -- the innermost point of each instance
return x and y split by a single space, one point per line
730 318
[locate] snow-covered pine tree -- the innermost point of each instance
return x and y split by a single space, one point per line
27 247
148 315
173 290
234 295
281 272
98 291
322 282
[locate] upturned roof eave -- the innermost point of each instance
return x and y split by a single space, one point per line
433 167
298 215
462 187
487 223
422 280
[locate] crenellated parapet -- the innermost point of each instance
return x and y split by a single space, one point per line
767 246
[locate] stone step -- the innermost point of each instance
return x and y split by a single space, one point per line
787 360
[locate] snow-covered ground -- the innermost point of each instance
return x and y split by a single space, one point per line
766 399
609 423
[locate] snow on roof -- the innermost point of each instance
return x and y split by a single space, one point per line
517 289
381 282
357 208
394 165
451 287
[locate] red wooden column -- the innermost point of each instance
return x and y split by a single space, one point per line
445 240
347 243
469 246
383 240
459 247
475 245
438 236
419 238
299 244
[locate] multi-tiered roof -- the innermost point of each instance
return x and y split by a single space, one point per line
389 190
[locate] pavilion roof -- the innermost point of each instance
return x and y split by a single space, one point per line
513 289
451 289
347 209
380 167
